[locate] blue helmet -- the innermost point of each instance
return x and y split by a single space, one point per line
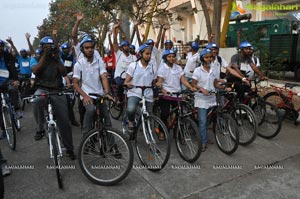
168 41
212 45
245 44
2 43
195 46
38 51
132 47
166 53
149 42
142 48
124 43
23 50
86 40
204 52
47 40
65 46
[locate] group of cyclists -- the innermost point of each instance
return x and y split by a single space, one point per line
48 66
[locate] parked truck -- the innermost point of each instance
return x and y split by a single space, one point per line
276 41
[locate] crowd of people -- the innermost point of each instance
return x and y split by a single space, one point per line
48 67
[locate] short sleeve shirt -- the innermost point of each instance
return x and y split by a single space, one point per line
122 63
171 77
141 76
191 63
24 64
217 66
90 73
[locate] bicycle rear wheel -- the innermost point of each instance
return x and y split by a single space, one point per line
246 123
115 109
56 158
269 120
155 154
105 157
226 134
188 140
9 128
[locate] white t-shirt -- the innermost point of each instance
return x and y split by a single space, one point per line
205 80
191 63
90 75
122 63
216 66
161 61
171 77
141 77
249 70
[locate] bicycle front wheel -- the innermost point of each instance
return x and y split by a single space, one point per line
275 99
105 156
9 128
188 140
226 134
152 143
269 120
56 158
115 109
246 123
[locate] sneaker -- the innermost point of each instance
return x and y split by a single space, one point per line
5 171
71 155
75 123
204 147
116 152
39 135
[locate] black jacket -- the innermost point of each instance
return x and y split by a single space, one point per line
10 61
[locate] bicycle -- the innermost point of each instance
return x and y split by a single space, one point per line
9 118
115 107
224 126
187 139
152 152
283 99
25 89
53 134
268 116
105 156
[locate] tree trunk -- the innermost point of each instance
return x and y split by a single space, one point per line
125 27
217 20
206 15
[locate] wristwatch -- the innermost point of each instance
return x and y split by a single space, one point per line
244 78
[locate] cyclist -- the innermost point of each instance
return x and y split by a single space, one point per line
123 59
132 50
48 76
140 73
110 63
193 60
170 75
8 73
68 60
92 74
240 62
204 79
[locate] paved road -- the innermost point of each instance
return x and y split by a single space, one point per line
215 175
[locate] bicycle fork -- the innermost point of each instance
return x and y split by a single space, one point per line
146 114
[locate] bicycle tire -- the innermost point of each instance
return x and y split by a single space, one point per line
96 146
115 109
9 129
155 155
56 158
226 134
187 135
17 122
269 120
275 99
246 123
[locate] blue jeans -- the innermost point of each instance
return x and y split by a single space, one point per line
203 124
132 104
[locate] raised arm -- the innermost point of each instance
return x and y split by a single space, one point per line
115 42
136 27
27 35
9 40
165 27
156 44
111 46
75 28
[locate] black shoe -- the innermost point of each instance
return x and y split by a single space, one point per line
131 131
116 152
71 155
75 123
39 135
